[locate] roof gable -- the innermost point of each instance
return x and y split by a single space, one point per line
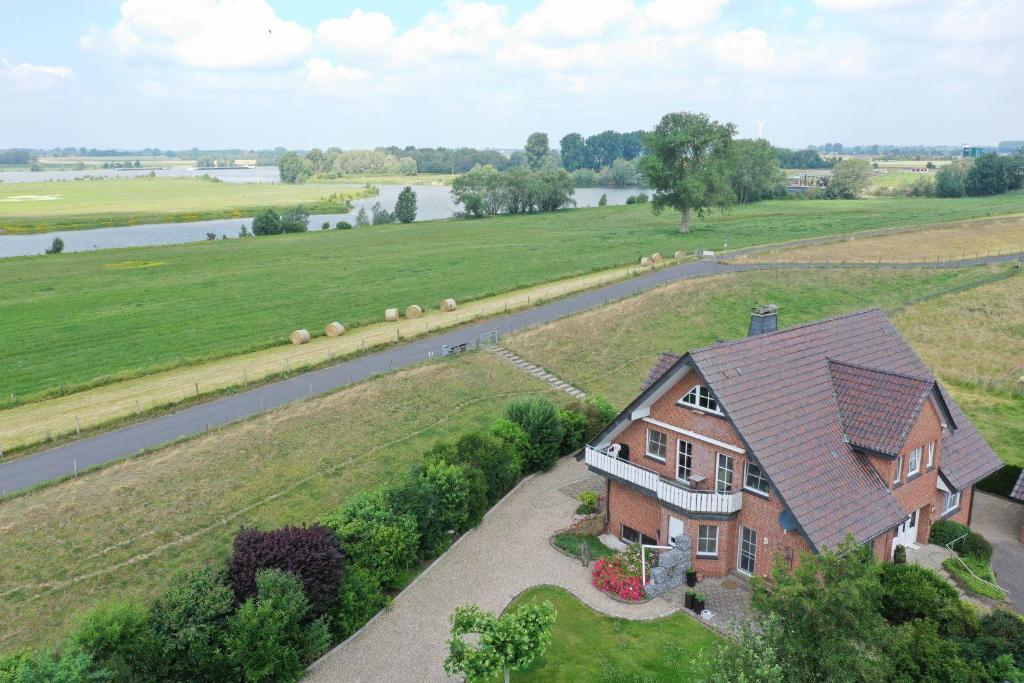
878 409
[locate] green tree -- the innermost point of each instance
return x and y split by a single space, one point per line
267 222
849 179
987 176
267 638
574 152
405 205
362 218
295 219
949 181
604 148
603 201
293 168
119 639
538 416
536 150
507 643
56 247
686 164
754 172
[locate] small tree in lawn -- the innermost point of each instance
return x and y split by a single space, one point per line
56 247
362 218
687 164
267 222
509 642
603 201
405 206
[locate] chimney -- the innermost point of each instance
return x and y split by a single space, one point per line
763 318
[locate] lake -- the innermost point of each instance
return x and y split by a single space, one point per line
433 202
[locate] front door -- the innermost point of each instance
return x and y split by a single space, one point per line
906 533
675 529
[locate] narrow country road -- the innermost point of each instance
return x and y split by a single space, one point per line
120 443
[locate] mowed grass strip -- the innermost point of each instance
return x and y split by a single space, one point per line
82 319
963 240
122 531
589 646
973 346
79 204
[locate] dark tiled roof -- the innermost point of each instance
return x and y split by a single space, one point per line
665 361
878 409
778 390
1018 488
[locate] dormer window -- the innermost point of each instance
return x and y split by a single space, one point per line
700 398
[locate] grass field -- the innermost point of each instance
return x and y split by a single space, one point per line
78 204
589 646
895 180
80 319
123 530
965 239
971 339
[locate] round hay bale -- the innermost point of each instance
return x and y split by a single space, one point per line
413 311
645 261
680 254
299 337
391 315
334 329
448 305
656 257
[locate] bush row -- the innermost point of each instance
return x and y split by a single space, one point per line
285 595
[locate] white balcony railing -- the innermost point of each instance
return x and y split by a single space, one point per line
666 490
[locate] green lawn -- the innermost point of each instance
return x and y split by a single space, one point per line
80 319
590 647
77 204
572 544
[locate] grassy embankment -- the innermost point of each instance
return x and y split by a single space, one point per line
972 339
965 239
79 204
79 320
123 530
589 646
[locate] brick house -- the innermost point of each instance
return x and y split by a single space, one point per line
786 442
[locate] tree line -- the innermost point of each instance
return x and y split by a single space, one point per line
989 174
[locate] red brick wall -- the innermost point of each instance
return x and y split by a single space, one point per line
762 515
963 516
634 509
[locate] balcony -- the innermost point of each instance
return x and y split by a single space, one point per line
665 490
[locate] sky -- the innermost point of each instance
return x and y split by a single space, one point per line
177 74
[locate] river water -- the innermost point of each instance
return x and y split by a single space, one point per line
433 202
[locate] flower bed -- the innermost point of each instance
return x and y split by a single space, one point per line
609 576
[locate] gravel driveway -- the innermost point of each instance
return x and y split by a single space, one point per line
492 564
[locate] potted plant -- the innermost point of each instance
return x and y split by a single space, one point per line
691 577
689 599
698 602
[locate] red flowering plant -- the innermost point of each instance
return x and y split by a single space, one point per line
620 575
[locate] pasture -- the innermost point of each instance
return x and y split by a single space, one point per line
966 324
123 530
79 204
83 319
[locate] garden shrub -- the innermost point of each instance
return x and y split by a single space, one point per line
514 436
11 665
610 576
975 545
1003 633
588 503
70 666
478 494
190 623
269 638
343 225
899 555
437 497
574 428
913 592
492 455
538 417
118 638
374 537
359 598
631 560
916 651
944 531
312 554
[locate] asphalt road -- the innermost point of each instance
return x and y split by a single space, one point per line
68 459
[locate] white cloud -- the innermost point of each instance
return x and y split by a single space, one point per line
969 21
359 33
209 34
862 5
25 76
680 16
322 74
575 18
748 49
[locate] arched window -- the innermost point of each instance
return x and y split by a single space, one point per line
699 397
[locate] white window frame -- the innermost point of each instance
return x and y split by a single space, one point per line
761 477
914 463
718 473
700 397
899 469
684 456
711 540
950 496
664 445
740 552
931 454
